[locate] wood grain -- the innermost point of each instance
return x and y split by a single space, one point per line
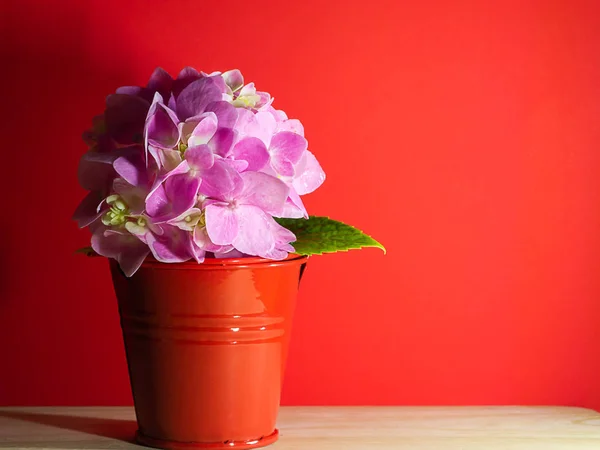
331 428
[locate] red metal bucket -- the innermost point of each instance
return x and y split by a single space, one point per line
206 347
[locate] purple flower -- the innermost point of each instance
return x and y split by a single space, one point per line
124 118
309 174
87 211
261 125
243 218
308 177
193 220
284 148
173 196
166 137
196 96
160 81
282 245
249 153
233 254
97 174
193 167
244 96
172 246
119 244
161 129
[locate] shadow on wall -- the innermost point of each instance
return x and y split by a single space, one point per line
57 68
121 430
56 73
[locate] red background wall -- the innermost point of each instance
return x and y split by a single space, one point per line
463 135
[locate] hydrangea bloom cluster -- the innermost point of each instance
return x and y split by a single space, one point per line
193 167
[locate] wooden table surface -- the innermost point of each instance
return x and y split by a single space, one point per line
331 428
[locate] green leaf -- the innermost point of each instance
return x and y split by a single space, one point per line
318 235
87 251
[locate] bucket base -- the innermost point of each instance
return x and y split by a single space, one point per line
174 445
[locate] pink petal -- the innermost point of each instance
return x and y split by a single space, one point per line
183 167
101 157
160 129
245 119
132 90
200 157
221 224
197 252
219 81
233 253
160 81
131 259
142 232
185 77
280 251
94 175
280 116
292 125
172 246
96 172
265 101
108 245
282 246
88 211
180 222
288 145
309 174
261 125
157 203
169 159
253 151
186 128
294 208
134 196
233 79
175 196
282 166
221 180
171 103
188 73
248 89
195 97
227 114
132 168
254 235
155 152
203 242
204 130
124 117
222 141
264 127
283 236
154 228
276 254
127 249
263 191
238 164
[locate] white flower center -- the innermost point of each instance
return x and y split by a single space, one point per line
118 212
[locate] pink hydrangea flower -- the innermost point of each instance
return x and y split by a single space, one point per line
193 167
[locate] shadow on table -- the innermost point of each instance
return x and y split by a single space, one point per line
123 430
